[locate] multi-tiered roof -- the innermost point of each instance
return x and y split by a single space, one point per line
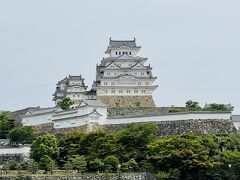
124 73
72 87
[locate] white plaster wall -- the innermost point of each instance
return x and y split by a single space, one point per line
102 92
34 120
71 122
20 150
77 118
134 51
171 117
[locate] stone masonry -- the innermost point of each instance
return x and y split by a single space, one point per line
127 101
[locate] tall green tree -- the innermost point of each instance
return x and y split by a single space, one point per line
69 145
22 135
79 163
6 124
184 153
134 139
44 145
46 163
99 145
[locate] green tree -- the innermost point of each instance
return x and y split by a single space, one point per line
99 145
111 161
22 135
79 163
44 145
217 107
134 139
69 145
231 163
193 105
96 165
6 124
46 163
68 166
131 165
185 153
32 167
65 104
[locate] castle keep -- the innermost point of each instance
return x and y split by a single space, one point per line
122 78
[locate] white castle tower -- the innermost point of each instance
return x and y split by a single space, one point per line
123 79
72 87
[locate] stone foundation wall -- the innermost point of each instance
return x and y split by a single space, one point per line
123 176
5 158
166 128
127 101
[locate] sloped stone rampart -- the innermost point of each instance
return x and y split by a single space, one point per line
166 128
127 101
139 111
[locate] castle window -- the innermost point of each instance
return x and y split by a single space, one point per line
130 65
112 83
119 53
143 91
113 91
105 83
130 53
108 74
116 53
106 91
120 91
128 91
126 52
135 91
123 52
142 74
146 83
139 83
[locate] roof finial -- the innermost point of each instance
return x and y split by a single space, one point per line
134 38
110 38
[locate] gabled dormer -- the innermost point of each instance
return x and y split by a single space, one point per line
112 65
139 65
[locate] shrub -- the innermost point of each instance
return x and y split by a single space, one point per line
112 162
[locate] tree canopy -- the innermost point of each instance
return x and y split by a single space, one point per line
65 104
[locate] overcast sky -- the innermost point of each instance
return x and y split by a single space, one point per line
192 45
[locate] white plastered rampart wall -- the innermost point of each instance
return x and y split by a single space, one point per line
170 117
